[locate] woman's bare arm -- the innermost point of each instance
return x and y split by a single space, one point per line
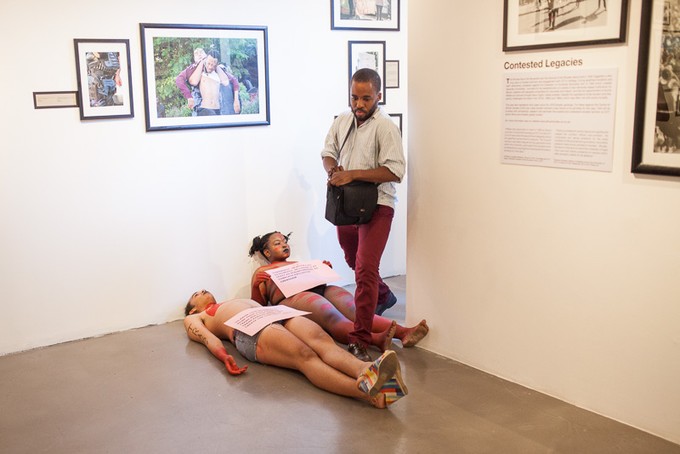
198 332
258 286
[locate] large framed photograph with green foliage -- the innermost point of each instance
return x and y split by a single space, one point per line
204 76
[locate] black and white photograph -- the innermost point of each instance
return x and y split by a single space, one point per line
367 54
397 119
536 24
656 140
365 15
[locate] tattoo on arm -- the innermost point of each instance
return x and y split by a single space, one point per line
197 333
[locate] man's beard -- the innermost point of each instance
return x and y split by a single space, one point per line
369 113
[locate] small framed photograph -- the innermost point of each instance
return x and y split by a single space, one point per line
368 54
542 24
365 15
204 76
396 118
391 73
656 134
104 78
54 99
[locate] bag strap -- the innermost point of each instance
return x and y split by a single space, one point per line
351 126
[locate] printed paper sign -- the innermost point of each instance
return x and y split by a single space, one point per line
560 119
301 276
251 321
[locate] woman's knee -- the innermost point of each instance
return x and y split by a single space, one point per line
282 347
305 353
301 353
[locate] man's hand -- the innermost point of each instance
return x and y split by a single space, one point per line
232 367
333 170
341 177
190 103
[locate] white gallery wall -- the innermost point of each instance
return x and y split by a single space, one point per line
565 281
106 227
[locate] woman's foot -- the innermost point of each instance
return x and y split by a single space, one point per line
415 334
384 340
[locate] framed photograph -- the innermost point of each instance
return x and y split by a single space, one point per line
541 24
656 135
365 15
54 99
204 76
391 73
104 78
396 118
368 54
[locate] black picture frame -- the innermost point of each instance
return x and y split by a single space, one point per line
55 99
398 120
367 54
104 78
241 76
391 73
527 24
364 15
656 139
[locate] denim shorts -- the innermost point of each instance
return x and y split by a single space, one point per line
246 345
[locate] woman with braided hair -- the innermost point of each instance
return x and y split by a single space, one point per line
331 306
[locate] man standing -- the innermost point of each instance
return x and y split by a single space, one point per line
552 14
378 9
352 10
365 145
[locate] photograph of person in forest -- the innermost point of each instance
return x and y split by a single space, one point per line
204 76
175 61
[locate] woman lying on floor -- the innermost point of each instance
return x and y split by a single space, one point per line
296 343
331 306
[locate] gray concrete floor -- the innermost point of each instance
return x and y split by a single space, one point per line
151 390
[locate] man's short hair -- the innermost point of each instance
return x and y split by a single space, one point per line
368 75
214 54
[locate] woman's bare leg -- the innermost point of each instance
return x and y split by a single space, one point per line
329 318
278 346
322 344
343 301
340 359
